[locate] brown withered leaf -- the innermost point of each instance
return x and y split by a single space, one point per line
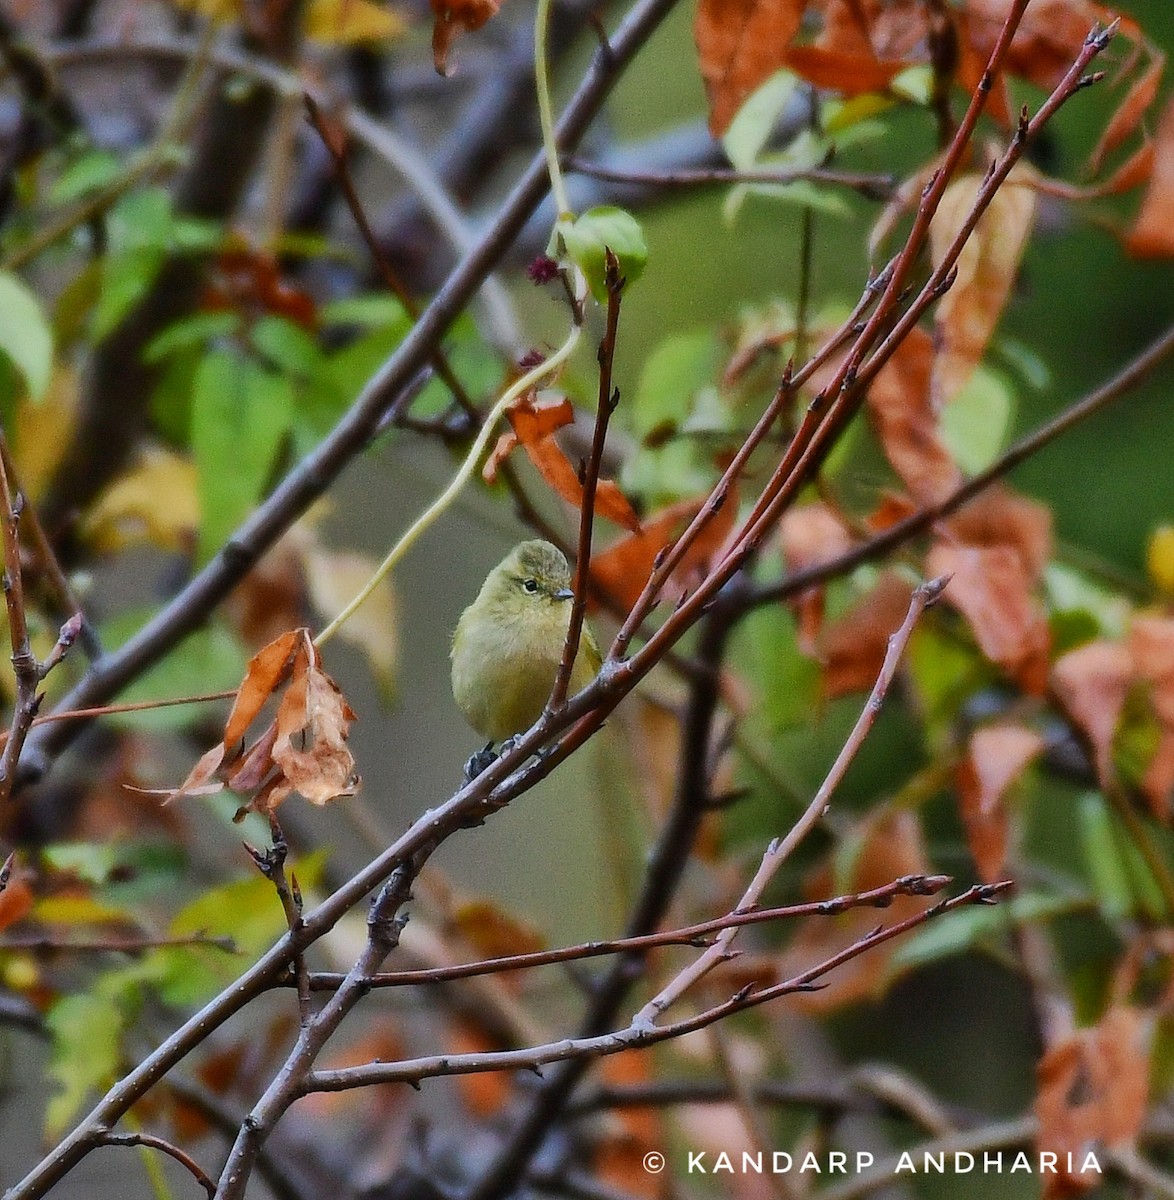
622 570
313 723
811 534
996 756
1129 112
1001 517
453 17
1092 683
1152 233
991 588
493 932
906 422
534 424
740 44
485 1093
1092 1091
852 647
986 268
1151 646
891 846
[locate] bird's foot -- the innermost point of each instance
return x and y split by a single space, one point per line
481 761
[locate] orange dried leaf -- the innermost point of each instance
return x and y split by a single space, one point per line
906 421
1092 1091
1092 683
992 590
15 901
1152 235
485 1093
740 44
1129 113
267 670
453 16
848 74
986 268
200 780
996 756
533 419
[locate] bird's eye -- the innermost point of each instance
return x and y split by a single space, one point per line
531 585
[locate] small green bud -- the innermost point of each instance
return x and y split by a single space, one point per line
588 237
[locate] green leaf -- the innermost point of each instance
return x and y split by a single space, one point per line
372 311
287 346
24 334
1103 857
240 415
802 191
974 424
1070 592
92 862
753 124
86 1030
86 174
671 376
126 278
245 910
210 660
190 331
588 237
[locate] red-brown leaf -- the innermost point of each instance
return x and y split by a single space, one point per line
995 758
809 535
622 570
848 74
906 422
740 44
1129 112
1092 683
1152 235
992 590
1092 1091
1000 517
1151 646
853 646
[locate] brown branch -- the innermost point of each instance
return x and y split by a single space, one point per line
605 406
63 593
110 945
872 187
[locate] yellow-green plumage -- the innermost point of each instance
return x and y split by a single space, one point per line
509 642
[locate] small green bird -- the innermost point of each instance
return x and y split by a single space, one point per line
509 642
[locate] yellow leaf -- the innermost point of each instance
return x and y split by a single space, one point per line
334 577
154 502
43 430
344 22
1160 558
214 10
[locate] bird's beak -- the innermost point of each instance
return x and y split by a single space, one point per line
563 594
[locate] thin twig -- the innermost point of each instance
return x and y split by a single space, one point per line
689 935
637 1035
153 1142
873 187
